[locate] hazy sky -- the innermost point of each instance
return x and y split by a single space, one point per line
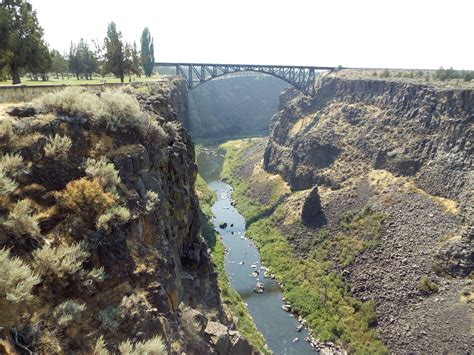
367 33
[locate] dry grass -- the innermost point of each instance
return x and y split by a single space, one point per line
301 124
85 198
383 179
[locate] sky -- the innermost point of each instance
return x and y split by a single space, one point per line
418 34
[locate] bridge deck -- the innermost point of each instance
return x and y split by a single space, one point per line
301 77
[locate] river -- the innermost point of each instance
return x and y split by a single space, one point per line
242 259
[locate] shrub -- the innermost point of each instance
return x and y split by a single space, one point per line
58 147
134 306
68 312
155 346
104 171
426 286
12 164
6 130
119 109
172 128
85 198
61 260
100 347
152 131
117 215
152 200
7 185
20 221
71 101
109 318
96 274
16 278
385 74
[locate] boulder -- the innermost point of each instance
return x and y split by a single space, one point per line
219 334
240 345
223 225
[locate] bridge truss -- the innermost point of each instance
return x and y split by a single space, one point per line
195 74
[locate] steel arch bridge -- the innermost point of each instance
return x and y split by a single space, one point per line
195 74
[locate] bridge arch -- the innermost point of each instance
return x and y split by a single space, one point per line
195 74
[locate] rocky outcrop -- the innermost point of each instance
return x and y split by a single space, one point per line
139 231
312 213
409 129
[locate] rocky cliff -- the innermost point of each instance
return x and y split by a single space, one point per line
100 245
404 151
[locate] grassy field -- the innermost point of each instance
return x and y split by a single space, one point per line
232 301
313 290
73 81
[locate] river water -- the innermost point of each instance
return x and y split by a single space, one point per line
242 259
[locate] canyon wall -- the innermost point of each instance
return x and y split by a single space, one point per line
383 171
110 191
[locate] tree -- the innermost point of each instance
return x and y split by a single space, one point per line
147 52
87 59
114 57
73 61
82 60
135 67
21 39
59 64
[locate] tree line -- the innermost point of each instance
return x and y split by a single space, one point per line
23 50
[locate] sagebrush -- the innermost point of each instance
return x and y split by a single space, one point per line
20 221
16 278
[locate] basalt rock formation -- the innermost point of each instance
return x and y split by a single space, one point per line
408 129
403 152
99 214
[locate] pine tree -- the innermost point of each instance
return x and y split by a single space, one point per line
114 57
147 52
21 39
59 64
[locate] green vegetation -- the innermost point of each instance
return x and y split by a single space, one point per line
21 40
61 260
16 278
426 286
57 147
68 312
450 74
104 171
155 345
147 53
22 49
114 110
362 232
231 299
120 58
309 285
20 221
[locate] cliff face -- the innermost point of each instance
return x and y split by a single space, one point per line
404 152
111 234
407 129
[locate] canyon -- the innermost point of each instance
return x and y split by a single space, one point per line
358 201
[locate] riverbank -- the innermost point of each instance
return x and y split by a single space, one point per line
311 287
232 302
